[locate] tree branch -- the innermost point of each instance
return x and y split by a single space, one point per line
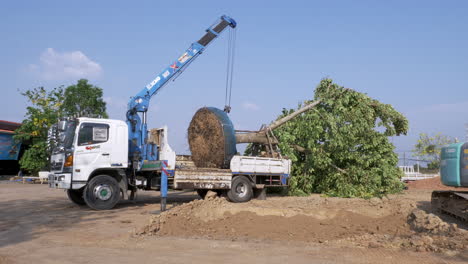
307 151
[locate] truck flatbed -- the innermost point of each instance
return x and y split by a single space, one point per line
262 172
202 178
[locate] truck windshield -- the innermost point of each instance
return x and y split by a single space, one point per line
69 134
64 138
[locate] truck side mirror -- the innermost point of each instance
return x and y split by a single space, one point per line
62 125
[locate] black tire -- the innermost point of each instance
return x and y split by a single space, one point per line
76 196
202 193
102 193
241 190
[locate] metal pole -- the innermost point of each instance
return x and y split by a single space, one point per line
163 185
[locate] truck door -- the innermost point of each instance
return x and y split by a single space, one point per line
93 149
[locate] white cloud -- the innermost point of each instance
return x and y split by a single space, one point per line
54 65
250 106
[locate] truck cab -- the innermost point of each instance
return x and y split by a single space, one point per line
90 160
86 147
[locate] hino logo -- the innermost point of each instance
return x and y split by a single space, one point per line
93 147
151 84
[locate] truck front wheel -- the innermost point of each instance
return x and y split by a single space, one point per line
76 196
241 190
102 192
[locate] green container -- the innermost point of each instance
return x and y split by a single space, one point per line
454 165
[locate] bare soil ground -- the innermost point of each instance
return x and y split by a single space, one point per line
40 225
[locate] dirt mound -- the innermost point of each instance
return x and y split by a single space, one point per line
421 221
432 184
200 218
433 234
206 139
347 222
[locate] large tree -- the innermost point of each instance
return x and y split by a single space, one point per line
84 99
46 108
341 147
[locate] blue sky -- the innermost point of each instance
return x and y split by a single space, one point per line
410 54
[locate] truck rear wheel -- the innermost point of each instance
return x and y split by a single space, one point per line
102 192
76 196
241 190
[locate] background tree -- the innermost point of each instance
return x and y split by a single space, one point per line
84 100
81 99
429 147
341 147
40 116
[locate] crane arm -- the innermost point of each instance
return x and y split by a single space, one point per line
139 104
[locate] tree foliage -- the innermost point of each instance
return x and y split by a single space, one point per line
341 147
44 111
46 108
429 147
84 99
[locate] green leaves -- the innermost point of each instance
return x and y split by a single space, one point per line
84 99
429 147
348 153
47 107
44 112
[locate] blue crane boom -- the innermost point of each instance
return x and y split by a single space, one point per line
139 104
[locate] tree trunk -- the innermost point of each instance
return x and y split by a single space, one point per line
260 136
285 119
254 137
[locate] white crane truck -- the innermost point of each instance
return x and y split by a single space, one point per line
101 161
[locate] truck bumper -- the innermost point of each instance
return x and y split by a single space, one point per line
60 180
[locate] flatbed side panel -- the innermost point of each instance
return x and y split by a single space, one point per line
260 165
202 179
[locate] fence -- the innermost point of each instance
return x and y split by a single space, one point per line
411 165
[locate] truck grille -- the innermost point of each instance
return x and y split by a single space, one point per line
56 166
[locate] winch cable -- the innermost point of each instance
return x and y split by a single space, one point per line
230 69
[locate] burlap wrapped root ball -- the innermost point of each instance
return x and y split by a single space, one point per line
211 138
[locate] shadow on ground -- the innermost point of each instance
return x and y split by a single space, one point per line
25 219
